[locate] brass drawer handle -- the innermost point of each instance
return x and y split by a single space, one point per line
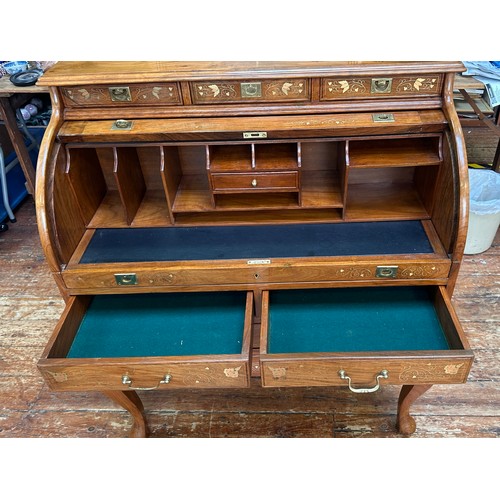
120 94
254 182
126 380
364 390
381 85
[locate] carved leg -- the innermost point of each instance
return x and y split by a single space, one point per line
409 394
131 402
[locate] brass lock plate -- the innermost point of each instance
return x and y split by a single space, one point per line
122 125
253 89
381 85
383 118
254 135
386 271
126 279
120 94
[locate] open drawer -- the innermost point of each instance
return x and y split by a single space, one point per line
361 338
151 341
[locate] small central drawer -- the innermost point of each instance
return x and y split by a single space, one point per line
151 341
244 91
361 338
283 181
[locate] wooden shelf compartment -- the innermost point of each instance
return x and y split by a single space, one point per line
277 156
118 186
384 202
230 158
395 152
389 193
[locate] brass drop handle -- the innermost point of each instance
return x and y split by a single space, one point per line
126 380
363 390
254 182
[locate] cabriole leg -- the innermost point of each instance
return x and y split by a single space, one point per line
132 403
408 395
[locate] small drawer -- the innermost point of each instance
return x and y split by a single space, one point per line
284 181
151 341
244 91
361 338
364 87
164 93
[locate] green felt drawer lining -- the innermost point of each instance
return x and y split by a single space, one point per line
177 324
354 319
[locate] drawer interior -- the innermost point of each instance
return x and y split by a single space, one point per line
176 324
357 320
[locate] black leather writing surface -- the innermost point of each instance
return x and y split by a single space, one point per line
256 242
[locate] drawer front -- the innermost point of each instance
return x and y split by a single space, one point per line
255 182
151 341
379 87
146 375
363 371
361 338
254 271
244 91
165 93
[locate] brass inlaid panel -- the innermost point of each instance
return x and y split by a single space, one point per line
368 87
295 89
165 93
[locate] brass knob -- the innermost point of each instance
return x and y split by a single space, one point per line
254 182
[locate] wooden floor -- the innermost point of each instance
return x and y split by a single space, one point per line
30 307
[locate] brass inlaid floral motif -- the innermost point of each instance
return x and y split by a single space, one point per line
353 273
425 271
278 372
416 85
232 372
289 89
220 90
156 92
82 95
430 372
347 86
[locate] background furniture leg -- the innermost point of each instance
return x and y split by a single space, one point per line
17 139
408 395
132 403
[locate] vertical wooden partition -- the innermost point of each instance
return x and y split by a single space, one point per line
86 180
130 180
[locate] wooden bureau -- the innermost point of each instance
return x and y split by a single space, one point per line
302 223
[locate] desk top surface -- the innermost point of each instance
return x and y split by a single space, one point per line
102 72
